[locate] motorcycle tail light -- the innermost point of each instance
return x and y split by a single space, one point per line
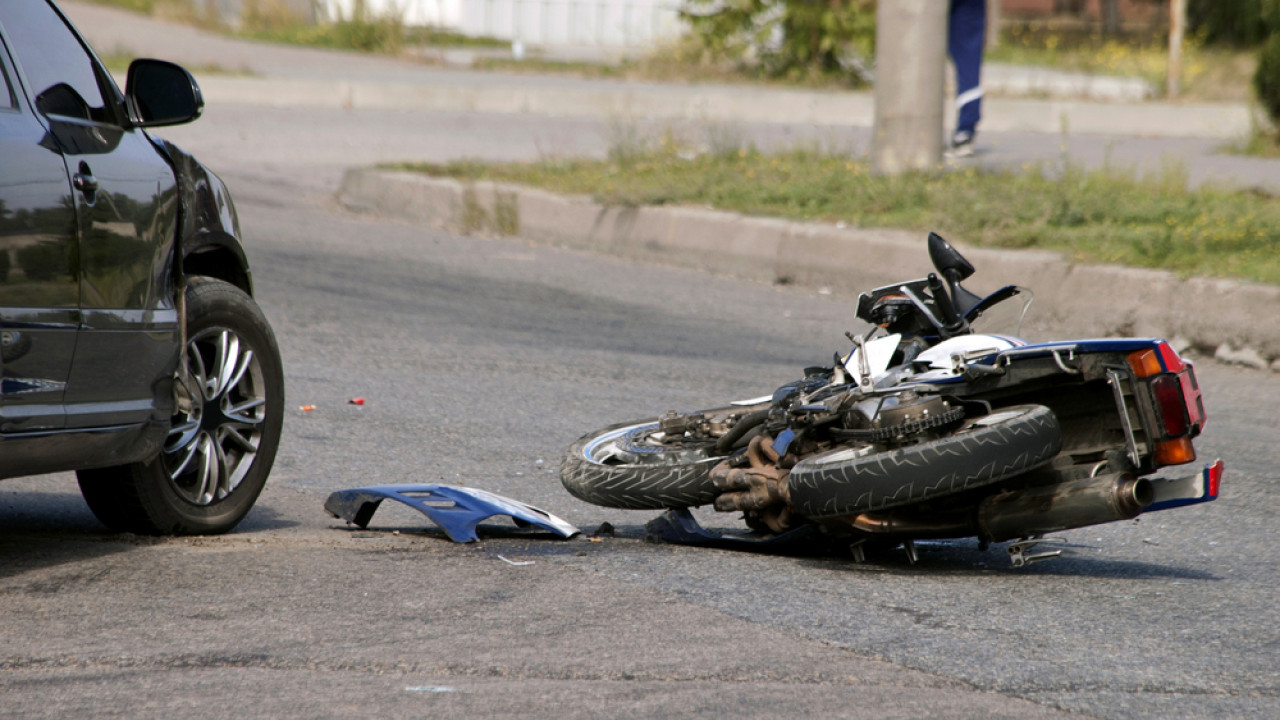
1171 405
1175 452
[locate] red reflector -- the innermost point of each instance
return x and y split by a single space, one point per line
1175 452
1167 390
1195 402
1215 478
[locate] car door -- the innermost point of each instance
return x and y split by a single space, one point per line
39 284
126 210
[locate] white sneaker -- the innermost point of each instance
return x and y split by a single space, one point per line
961 145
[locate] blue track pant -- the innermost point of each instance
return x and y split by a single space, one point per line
966 35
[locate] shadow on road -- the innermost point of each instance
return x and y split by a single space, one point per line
40 530
962 558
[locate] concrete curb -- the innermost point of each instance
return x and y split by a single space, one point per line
1235 321
1016 80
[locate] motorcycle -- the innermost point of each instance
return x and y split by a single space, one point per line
932 426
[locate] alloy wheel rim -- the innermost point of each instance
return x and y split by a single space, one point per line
209 451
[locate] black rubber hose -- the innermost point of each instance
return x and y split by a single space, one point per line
731 438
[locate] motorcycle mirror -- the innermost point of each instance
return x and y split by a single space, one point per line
949 262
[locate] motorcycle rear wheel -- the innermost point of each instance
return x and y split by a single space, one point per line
982 451
621 467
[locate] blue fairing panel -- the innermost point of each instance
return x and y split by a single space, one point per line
457 510
1101 344
1074 347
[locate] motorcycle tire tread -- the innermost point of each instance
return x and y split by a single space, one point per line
973 456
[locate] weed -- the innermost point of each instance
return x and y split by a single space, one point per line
627 142
506 213
474 218
504 219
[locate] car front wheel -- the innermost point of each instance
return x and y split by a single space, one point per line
217 456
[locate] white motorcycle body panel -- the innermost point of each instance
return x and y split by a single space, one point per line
879 354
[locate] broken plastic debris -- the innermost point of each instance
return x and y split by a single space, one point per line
457 510
356 401
513 562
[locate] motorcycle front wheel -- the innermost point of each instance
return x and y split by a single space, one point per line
984 450
633 466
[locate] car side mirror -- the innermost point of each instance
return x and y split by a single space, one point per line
161 93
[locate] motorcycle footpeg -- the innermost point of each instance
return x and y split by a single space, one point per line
1020 552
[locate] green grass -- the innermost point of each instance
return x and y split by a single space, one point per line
426 35
1209 74
1108 216
377 36
141 6
273 22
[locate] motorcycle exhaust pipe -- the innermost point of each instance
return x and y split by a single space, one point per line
914 528
1051 508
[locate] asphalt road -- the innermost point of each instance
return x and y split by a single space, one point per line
480 360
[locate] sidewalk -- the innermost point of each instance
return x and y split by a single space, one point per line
273 75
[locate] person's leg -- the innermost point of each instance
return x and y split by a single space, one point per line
966 36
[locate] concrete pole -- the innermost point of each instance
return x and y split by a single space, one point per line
911 52
993 24
1177 26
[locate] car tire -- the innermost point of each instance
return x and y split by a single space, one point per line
215 459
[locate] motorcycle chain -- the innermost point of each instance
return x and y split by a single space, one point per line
907 428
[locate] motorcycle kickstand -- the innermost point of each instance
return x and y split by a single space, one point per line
859 551
1020 552
909 547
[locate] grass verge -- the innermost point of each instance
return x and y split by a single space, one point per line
1107 216
1209 74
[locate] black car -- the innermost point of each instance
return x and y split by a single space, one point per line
132 349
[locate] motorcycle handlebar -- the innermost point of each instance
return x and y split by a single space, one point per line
952 323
